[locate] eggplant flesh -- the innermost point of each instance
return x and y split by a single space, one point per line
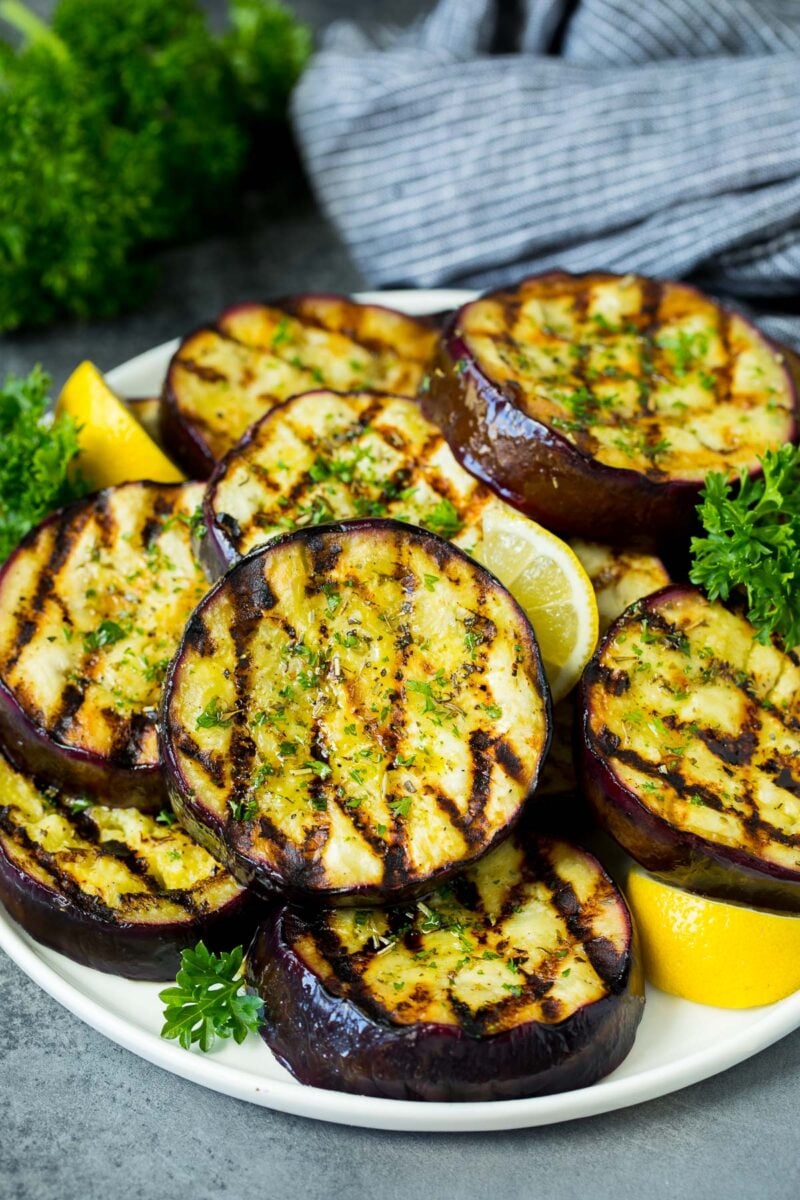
598 403
92 606
690 732
112 888
357 710
519 978
227 375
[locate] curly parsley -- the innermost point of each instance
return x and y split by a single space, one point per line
207 1000
38 451
752 543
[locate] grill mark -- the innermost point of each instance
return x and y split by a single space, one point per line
346 969
737 750
104 519
71 700
197 637
65 534
206 373
211 762
723 373
508 759
377 347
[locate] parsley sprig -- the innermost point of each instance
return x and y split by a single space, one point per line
207 1001
752 542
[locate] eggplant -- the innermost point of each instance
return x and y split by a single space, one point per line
356 712
619 576
227 375
690 732
92 606
324 456
115 889
598 403
519 978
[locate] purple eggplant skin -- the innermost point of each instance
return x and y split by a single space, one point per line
135 951
539 471
180 440
674 855
327 1041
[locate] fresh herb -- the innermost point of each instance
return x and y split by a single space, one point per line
108 633
443 519
752 543
401 807
213 716
686 349
207 1000
79 804
133 112
430 582
35 475
243 810
166 817
493 710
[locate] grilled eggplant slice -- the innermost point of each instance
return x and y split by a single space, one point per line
324 457
224 377
356 712
92 607
519 978
113 888
598 403
619 576
691 742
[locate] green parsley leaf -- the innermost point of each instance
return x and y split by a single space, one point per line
212 716
207 1001
752 543
38 452
443 519
106 634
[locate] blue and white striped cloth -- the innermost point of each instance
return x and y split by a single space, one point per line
658 136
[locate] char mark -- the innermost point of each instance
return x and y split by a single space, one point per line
736 750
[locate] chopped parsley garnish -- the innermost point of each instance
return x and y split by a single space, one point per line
401 807
213 716
430 582
243 810
443 519
106 634
166 817
79 804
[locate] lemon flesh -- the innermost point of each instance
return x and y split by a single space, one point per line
711 951
113 446
546 578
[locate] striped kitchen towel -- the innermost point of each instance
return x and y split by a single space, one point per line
496 139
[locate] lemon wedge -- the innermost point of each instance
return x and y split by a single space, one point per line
113 446
549 583
713 951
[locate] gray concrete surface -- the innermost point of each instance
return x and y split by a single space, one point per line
82 1119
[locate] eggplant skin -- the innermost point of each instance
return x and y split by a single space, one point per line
133 951
558 478
333 1041
757 864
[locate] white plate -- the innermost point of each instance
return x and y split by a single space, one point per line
677 1044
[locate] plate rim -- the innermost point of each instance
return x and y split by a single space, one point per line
771 1023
